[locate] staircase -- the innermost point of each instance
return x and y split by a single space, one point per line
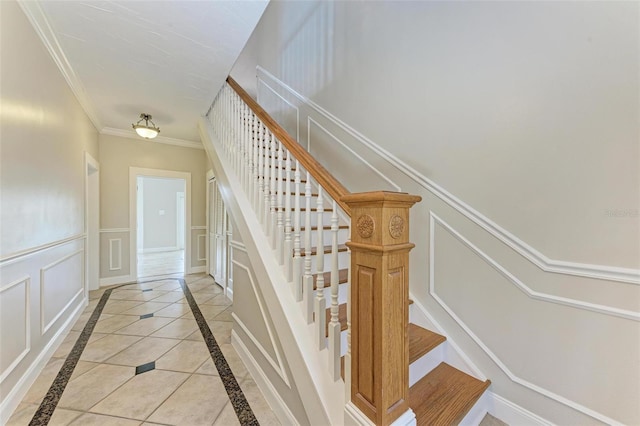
305 217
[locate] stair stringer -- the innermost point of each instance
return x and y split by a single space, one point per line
323 399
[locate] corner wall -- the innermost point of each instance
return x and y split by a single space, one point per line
518 125
117 155
44 136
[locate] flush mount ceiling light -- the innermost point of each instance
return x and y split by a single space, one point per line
146 130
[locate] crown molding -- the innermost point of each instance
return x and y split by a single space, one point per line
40 23
130 134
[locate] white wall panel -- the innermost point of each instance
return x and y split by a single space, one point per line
61 283
14 324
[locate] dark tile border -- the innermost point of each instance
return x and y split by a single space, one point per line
240 404
236 396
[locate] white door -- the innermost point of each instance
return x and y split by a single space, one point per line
220 240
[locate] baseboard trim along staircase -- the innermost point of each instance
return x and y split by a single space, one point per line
310 257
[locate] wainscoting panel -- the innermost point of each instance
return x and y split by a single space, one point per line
114 254
282 110
61 283
198 247
14 324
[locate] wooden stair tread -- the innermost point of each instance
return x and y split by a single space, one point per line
314 209
444 396
327 250
421 341
325 228
343 277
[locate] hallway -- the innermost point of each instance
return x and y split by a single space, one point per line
154 352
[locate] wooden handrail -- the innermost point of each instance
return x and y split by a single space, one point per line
317 170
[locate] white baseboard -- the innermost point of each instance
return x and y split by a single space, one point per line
511 413
13 399
197 269
229 292
120 279
285 416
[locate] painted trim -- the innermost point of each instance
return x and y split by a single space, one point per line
130 134
600 272
15 396
264 83
113 230
45 327
158 250
198 257
279 366
91 258
27 324
9 259
120 279
112 242
40 23
602 309
134 172
549 394
280 408
512 413
199 227
357 417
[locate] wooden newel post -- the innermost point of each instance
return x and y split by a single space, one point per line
379 303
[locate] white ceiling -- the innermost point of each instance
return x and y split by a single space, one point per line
165 58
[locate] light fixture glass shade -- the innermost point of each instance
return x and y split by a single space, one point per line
146 130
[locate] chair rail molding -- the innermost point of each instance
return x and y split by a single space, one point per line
600 272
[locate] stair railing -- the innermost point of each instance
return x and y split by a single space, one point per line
278 177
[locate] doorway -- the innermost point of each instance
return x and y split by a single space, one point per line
160 213
219 238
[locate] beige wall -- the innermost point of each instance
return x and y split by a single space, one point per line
518 125
44 135
117 155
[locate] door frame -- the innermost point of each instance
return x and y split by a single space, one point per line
92 233
134 172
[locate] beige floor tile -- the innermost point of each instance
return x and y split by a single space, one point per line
175 310
258 404
67 344
22 415
39 389
82 367
96 294
81 321
114 323
210 311
221 330
146 308
90 419
171 296
225 315
178 329
208 368
237 366
220 299
188 315
87 390
107 347
96 336
170 286
227 417
196 335
146 350
62 417
198 401
114 306
201 298
186 356
141 395
144 327
203 286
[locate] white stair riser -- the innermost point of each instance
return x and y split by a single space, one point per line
422 366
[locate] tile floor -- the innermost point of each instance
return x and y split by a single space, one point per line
142 369
162 263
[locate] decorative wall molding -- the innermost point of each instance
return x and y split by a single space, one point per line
113 230
311 121
27 324
40 23
198 254
44 327
115 243
130 134
600 272
272 90
11 258
526 290
199 227
278 365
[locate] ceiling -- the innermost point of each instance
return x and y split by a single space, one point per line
164 58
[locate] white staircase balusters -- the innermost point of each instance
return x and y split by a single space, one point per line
272 191
287 246
320 305
255 198
307 282
280 211
297 260
334 323
267 183
261 174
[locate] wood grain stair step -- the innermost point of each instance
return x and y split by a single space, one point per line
343 277
314 209
325 228
444 396
327 250
421 341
